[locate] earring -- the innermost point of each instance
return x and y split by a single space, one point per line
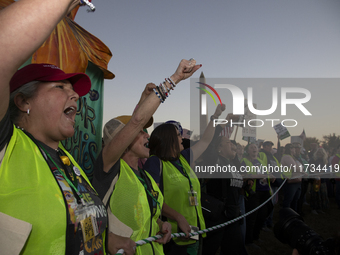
28 112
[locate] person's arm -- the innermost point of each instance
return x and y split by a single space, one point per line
113 151
207 136
182 223
25 25
147 91
278 151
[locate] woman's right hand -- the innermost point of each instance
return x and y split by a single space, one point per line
116 242
184 226
185 69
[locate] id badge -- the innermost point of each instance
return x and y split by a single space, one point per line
192 198
89 228
86 216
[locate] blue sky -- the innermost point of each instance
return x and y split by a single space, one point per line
232 39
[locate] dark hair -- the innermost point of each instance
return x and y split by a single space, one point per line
28 90
164 142
186 143
287 148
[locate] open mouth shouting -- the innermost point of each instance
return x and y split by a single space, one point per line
70 112
146 144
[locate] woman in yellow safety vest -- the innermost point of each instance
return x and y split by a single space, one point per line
45 197
169 165
134 199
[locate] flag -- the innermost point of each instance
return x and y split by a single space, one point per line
303 135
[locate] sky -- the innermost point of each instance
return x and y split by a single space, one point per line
231 39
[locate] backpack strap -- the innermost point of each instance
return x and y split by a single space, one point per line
114 224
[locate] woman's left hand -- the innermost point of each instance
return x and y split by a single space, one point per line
166 231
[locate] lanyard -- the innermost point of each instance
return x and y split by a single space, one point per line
146 189
186 175
74 179
65 177
80 196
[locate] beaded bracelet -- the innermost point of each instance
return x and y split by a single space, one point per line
157 94
89 4
165 89
168 90
161 93
161 90
173 85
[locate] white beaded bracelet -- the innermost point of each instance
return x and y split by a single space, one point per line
89 4
157 94
173 85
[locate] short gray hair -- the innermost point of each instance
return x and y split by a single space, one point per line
28 90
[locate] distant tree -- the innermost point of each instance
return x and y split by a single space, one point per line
308 141
330 141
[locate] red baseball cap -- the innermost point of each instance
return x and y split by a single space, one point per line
46 72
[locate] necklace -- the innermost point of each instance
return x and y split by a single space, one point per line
18 127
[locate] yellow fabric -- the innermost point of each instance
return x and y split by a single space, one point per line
176 187
129 203
263 158
29 192
250 164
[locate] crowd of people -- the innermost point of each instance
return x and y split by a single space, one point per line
142 185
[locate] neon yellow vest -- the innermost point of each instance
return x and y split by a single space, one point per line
250 164
29 192
176 187
263 158
129 203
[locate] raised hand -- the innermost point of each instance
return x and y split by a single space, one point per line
219 109
185 69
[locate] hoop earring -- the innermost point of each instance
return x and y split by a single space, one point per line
28 112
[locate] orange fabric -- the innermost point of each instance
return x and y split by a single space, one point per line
70 47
